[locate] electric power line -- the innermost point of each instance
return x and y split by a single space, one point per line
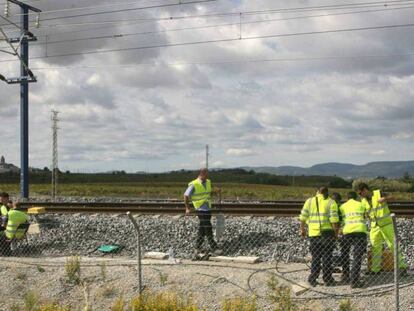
179 3
223 14
219 41
229 62
86 7
123 35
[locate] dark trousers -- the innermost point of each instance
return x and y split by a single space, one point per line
5 249
205 229
321 249
358 243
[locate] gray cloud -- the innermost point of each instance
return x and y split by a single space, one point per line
142 112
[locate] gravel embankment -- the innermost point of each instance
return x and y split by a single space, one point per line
260 236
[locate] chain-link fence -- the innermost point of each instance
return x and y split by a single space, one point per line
93 259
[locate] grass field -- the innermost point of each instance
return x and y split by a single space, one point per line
175 191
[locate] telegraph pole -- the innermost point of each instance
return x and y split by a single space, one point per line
207 155
26 77
55 166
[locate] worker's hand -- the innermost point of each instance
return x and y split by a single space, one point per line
382 200
303 233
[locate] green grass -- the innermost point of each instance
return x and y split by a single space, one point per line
175 190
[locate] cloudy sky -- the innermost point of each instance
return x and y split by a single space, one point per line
273 100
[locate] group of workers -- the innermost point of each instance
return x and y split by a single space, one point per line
324 220
11 220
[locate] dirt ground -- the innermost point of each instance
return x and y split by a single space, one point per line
209 283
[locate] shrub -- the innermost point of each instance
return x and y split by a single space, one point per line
240 304
148 301
280 295
119 305
346 305
73 270
383 184
30 301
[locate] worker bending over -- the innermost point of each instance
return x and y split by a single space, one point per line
11 222
382 227
199 193
320 215
354 236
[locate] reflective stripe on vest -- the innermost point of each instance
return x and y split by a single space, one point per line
322 221
354 217
15 219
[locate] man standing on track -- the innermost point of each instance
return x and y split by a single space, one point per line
320 215
199 193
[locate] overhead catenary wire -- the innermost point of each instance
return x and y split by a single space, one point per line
229 62
179 3
44 12
94 7
224 14
232 39
122 35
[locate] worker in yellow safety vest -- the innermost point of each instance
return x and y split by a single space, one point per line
199 192
14 219
382 227
5 205
320 216
354 230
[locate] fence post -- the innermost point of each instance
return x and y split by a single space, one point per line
396 265
140 287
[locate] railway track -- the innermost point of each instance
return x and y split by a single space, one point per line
264 208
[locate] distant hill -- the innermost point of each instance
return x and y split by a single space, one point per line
391 169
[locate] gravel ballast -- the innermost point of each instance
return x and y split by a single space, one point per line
267 237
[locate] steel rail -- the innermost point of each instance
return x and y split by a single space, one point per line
273 208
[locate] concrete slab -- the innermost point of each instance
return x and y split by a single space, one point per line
156 255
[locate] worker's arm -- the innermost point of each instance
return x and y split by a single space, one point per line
304 216
187 204
334 218
336 228
385 198
303 232
187 198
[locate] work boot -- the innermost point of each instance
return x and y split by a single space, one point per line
357 284
313 283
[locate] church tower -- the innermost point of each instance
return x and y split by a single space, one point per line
2 160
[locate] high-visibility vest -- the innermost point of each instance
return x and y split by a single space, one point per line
379 213
201 194
353 213
322 221
15 219
3 211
